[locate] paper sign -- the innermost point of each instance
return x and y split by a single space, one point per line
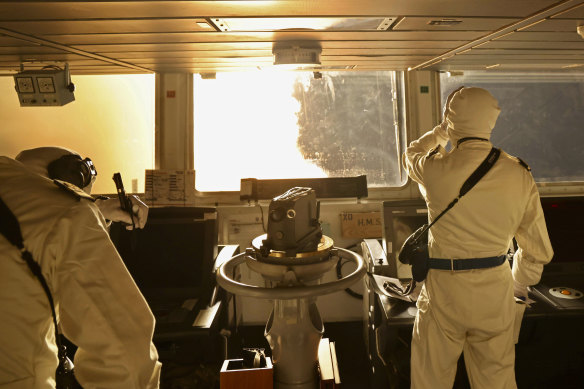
170 187
361 224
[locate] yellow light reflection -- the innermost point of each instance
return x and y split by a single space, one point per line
111 121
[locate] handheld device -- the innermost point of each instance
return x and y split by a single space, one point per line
125 202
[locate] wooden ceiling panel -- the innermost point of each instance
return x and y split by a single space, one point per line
44 58
576 12
117 26
8 41
147 62
337 59
558 25
236 53
279 36
465 24
361 45
72 10
542 52
85 69
516 67
149 36
31 49
543 36
367 65
485 58
29 63
132 56
534 45
111 48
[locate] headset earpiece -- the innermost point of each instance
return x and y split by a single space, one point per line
69 168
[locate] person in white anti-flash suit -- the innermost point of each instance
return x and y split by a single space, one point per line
98 305
473 311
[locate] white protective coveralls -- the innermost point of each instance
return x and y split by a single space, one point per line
473 310
98 305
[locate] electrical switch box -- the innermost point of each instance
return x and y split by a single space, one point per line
44 87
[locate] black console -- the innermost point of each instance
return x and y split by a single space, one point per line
562 282
563 290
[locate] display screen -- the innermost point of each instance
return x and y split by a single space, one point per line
404 226
173 254
400 220
564 217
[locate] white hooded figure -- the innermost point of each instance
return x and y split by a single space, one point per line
97 304
473 311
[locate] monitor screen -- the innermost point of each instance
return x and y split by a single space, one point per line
400 220
173 255
564 217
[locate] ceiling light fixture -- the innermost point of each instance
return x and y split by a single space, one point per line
296 55
444 22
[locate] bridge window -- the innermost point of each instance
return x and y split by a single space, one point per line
111 121
281 124
541 118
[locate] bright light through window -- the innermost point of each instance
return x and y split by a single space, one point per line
274 125
245 125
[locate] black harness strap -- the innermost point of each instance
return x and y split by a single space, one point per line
462 140
11 231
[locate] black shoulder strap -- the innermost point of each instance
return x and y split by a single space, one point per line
471 181
10 228
483 168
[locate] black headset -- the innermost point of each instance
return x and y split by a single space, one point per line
71 168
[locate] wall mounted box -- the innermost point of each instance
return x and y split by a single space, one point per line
44 87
